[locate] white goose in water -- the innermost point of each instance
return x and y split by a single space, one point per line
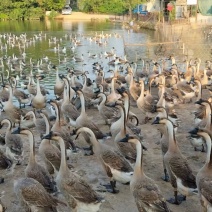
146 193
180 173
204 175
78 193
114 163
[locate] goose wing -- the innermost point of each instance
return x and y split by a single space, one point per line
147 196
35 194
180 168
80 189
116 161
205 186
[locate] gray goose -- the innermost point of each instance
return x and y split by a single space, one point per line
180 173
146 193
35 170
114 163
32 196
204 175
78 193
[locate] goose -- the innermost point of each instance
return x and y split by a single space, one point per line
146 193
20 95
34 169
134 88
64 131
114 163
84 121
39 123
48 151
105 111
32 196
39 100
59 85
146 104
179 171
197 141
204 175
14 113
5 163
78 193
13 144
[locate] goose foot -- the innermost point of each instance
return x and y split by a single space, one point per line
174 201
166 176
111 187
1 180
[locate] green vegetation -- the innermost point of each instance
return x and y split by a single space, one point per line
35 9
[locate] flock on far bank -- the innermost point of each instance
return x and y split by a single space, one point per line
60 116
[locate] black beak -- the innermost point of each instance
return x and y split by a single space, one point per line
194 131
199 102
48 136
16 131
121 90
156 121
125 139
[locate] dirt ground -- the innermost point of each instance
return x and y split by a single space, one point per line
91 170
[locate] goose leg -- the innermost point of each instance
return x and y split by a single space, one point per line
166 176
111 187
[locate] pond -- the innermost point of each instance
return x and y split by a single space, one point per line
58 42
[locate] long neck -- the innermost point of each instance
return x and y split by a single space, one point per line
63 164
112 85
9 125
208 142
38 88
200 90
208 116
126 106
10 100
161 101
85 82
172 140
104 98
138 168
32 148
82 100
141 97
57 122
47 124
123 121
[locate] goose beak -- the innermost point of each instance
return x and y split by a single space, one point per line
194 131
199 102
16 131
125 139
156 121
48 136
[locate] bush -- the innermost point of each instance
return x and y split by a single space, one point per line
52 14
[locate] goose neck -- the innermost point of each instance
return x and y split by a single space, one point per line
126 106
138 168
38 88
31 147
82 100
172 140
208 117
63 163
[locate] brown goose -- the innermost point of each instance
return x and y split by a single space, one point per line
34 169
180 173
20 95
146 193
84 121
33 197
13 143
59 85
204 175
64 131
114 163
78 193
14 113
49 152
